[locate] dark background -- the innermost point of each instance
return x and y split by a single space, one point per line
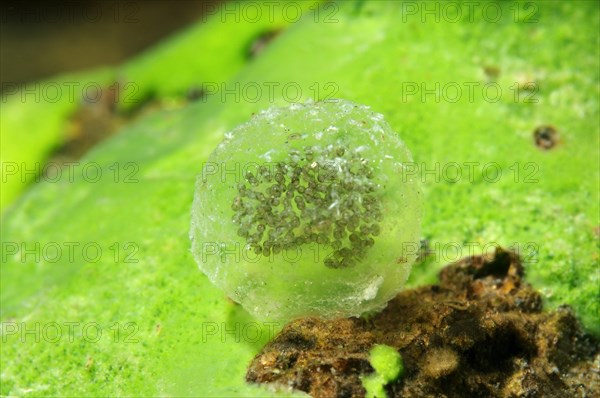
39 39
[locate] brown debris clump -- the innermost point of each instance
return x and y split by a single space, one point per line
480 333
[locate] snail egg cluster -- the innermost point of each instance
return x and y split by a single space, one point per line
317 195
307 211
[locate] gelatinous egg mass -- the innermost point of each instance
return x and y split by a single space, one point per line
309 210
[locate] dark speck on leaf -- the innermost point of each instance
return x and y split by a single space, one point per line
194 93
545 137
491 71
261 42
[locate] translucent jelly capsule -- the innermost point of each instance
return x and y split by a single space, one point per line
308 211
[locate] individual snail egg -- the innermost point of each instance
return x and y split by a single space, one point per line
308 211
